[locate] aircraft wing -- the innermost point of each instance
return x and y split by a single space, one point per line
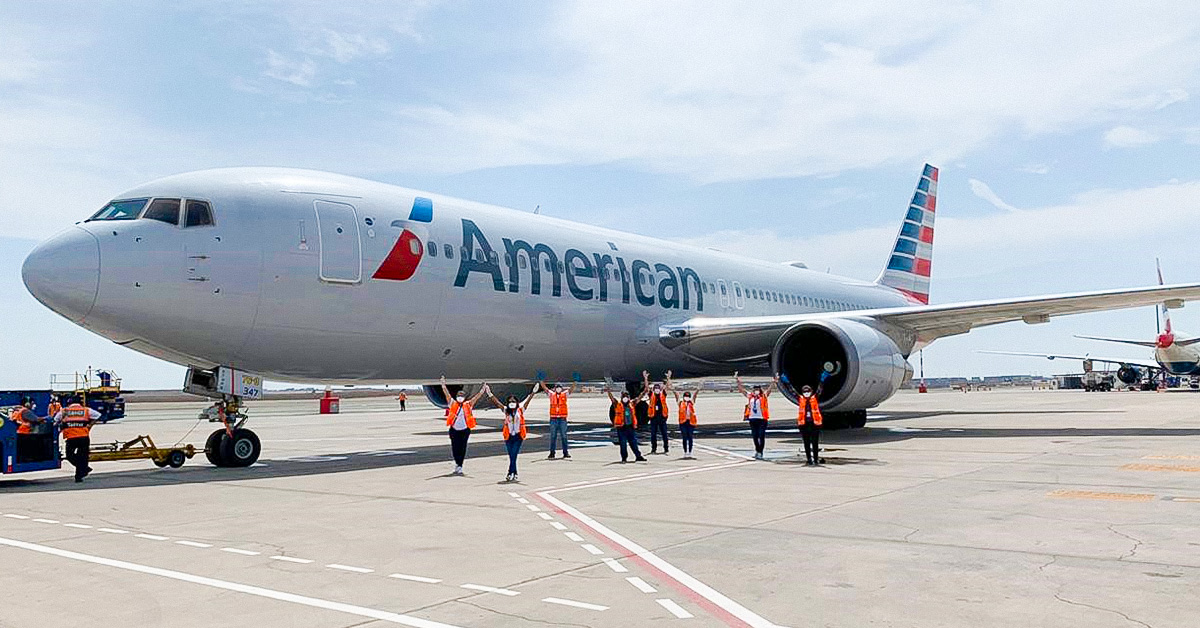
1140 343
750 339
1147 364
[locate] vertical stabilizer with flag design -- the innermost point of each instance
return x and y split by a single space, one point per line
908 268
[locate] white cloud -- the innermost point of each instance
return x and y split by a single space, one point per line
1129 137
299 73
981 189
1035 168
788 89
346 47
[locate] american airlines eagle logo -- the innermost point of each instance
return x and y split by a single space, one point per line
402 261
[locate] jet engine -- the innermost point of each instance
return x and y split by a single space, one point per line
1129 375
433 392
864 365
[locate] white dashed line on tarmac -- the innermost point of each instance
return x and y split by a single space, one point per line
615 566
193 544
486 589
544 516
46 520
404 576
533 508
151 537
674 608
234 550
641 585
590 607
289 559
81 526
12 516
350 568
112 530
522 500
558 526
592 549
512 494
574 537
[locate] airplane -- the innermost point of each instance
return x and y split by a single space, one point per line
306 276
1172 355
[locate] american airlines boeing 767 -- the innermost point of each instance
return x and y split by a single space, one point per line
313 277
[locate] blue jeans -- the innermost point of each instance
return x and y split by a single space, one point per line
513 445
558 428
687 432
628 437
658 425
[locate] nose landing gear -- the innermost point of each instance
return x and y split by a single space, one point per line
232 445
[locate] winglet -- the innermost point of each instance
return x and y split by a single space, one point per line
908 268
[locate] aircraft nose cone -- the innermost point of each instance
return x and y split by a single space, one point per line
64 273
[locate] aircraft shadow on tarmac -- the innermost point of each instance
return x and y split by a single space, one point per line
198 472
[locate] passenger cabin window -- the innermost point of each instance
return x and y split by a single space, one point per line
432 249
448 250
414 246
120 210
521 261
163 210
199 214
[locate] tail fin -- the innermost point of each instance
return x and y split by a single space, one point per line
908 268
1166 314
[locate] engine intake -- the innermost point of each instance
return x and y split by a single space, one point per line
866 365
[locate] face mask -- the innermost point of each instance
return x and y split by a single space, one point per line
461 398
512 406
807 394
624 399
558 390
657 389
687 398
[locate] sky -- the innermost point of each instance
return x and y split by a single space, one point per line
1066 134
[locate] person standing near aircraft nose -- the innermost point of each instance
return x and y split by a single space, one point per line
626 422
514 428
757 413
558 416
403 399
687 417
460 418
658 412
76 422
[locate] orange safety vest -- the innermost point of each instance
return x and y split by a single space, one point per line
619 414
75 422
661 399
452 413
53 409
816 411
558 405
687 412
402 397
23 424
514 423
766 411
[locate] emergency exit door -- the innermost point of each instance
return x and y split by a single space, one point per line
338 239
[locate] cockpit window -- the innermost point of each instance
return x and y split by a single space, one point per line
164 209
120 210
198 214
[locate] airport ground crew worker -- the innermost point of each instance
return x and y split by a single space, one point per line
76 422
514 427
687 418
460 418
558 416
810 421
403 399
24 416
625 421
658 411
53 409
757 413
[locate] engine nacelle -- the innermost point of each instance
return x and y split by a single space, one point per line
1129 375
867 366
433 392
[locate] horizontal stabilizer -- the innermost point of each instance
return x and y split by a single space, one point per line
1140 343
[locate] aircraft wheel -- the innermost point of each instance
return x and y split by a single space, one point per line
242 449
858 419
159 462
212 448
176 458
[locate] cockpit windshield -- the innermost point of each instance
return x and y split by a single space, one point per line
120 210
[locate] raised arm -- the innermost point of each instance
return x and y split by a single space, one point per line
446 391
741 388
486 389
533 393
608 391
774 384
667 386
542 385
571 390
499 404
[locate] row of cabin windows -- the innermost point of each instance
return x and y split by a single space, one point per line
612 274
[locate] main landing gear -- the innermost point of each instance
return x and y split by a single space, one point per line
232 445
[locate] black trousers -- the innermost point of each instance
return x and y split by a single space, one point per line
658 425
402 408
628 438
812 438
458 444
758 432
687 433
77 454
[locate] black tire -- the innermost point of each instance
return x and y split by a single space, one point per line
176 458
859 419
159 463
242 450
212 448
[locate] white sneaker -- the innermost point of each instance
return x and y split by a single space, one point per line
458 471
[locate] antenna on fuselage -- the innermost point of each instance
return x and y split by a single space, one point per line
537 209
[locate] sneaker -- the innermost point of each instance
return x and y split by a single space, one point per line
566 455
515 478
640 459
550 457
78 479
508 478
458 471
759 456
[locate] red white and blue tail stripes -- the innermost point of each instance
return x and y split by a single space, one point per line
908 268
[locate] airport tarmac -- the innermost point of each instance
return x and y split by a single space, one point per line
1005 508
